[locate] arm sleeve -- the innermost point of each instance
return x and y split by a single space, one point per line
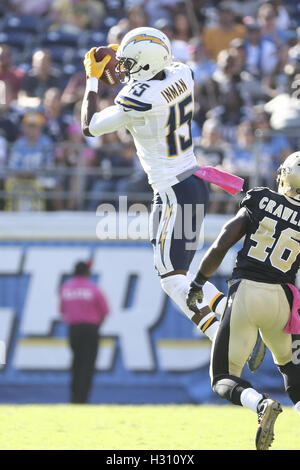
108 120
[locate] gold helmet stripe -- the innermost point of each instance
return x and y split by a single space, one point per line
145 37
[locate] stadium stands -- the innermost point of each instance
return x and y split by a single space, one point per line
252 63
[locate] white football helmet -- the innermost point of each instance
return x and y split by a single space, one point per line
289 176
143 53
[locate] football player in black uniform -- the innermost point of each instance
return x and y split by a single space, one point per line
261 295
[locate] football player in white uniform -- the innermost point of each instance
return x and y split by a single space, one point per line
156 106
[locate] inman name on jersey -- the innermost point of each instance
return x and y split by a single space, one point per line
174 90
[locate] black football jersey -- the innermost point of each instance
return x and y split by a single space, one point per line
271 250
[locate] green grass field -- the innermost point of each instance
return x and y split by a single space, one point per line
169 427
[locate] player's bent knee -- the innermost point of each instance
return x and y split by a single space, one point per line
230 388
291 377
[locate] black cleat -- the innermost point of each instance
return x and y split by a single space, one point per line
258 354
268 411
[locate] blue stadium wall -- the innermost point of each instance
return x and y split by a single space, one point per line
149 352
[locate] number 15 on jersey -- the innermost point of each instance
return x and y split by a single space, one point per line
179 115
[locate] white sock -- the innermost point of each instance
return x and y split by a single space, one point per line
208 325
214 298
250 398
297 407
177 287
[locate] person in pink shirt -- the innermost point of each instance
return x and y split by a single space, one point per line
83 308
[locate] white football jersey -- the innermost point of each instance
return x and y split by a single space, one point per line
158 114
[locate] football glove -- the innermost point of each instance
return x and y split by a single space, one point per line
195 292
194 295
92 67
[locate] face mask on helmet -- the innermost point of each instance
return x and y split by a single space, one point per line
124 69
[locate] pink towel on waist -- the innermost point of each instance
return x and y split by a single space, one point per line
293 325
230 183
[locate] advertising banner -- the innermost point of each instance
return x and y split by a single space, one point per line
149 352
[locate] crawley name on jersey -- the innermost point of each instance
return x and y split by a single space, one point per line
158 114
271 249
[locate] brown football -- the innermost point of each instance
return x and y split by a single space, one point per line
109 76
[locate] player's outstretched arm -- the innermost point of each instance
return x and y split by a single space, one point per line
110 119
230 234
88 109
94 71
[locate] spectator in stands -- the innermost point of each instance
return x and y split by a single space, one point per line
211 149
41 76
202 66
218 38
83 308
273 148
74 154
33 151
267 18
237 48
249 86
116 34
282 15
112 154
182 34
227 79
75 16
212 90
242 159
10 75
284 109
230 114
294 52
278 81
56 118
137 17
157 9
179 31
74 90
137 181
261 53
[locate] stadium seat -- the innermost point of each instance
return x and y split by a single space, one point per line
60 38
62 46
27 23
92 39
2 11
18 40
59 53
